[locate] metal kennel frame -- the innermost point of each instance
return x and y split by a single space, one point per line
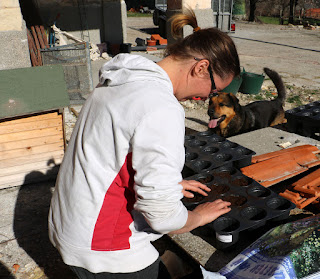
75 60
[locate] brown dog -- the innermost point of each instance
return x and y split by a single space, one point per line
229 118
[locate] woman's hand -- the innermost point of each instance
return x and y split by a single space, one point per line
203 214
210 211
194 186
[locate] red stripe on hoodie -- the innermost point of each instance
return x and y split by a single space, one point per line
112 231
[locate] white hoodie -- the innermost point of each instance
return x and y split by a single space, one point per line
118 185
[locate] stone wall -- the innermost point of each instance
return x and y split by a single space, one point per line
14 50
197 4
10 16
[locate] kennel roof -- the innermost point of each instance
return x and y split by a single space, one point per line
32 90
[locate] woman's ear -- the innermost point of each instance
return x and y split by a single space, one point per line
201 68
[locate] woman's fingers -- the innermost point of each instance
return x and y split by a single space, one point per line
194 186
198 185
212 210
187 194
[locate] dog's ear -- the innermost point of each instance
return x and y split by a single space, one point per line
234 101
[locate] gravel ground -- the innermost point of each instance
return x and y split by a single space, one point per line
292 51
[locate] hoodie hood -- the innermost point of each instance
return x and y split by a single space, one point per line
125 68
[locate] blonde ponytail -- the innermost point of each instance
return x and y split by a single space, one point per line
178 21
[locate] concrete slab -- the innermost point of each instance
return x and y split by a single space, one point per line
14 50
268 139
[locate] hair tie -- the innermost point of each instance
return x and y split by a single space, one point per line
196 29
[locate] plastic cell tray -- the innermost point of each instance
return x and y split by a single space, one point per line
304 120
207 150
252 205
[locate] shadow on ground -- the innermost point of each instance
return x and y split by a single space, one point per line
31 224
5 273
147 30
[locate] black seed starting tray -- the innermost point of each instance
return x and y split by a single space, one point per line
304 120
206 151
252 205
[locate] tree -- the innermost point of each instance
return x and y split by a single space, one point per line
291 13
252 9
283 5
282 8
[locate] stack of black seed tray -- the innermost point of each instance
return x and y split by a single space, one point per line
252 205
206 151
304 120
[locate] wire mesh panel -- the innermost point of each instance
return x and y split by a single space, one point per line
75 59
222 11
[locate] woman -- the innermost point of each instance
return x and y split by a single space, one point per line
120 185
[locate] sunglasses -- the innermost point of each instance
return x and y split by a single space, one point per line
213 85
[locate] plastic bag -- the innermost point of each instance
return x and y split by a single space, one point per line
211 275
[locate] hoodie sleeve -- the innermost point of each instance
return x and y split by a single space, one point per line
158 159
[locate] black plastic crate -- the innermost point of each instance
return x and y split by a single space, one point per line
252 205
305 120
206 151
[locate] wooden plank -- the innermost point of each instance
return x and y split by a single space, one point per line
32 150
39 34
23 182
26 178
55 156
37 117
44 36
33 49
31 134
30 126
28 143
35 166
35 37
